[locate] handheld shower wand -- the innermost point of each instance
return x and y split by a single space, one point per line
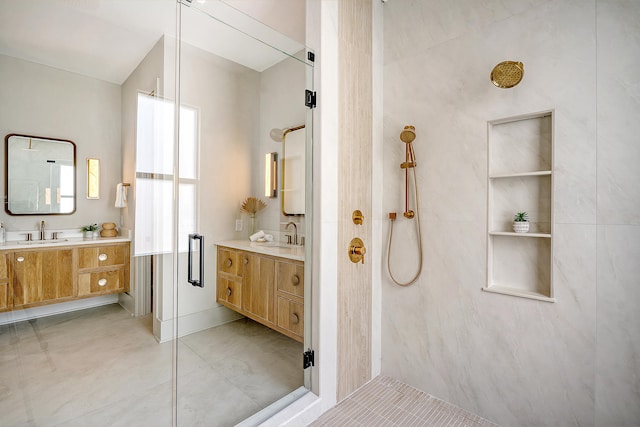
407 136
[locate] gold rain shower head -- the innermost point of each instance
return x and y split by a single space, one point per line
507 74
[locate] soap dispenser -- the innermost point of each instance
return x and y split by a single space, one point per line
2 233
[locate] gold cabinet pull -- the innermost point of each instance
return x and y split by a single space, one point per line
102 257
20 259
102 282
228 292
295 280
229 262
246 260
357 250
295 319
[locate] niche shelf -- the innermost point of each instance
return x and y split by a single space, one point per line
520 178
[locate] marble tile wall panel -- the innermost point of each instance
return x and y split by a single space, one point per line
618 111
618 350
499 356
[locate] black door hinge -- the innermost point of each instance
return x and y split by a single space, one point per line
308 359
311 56
309 99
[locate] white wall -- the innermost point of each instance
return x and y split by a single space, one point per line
281 106
44 101
512 360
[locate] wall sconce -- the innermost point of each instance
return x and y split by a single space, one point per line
271 175
93 178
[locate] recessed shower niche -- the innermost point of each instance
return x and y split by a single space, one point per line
520 178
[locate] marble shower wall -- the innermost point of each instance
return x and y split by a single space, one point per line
512 360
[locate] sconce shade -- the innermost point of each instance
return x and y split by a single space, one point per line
271 175
93 178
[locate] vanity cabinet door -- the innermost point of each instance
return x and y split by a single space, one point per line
258 286
229 292
41 276
5 296
291 278
291 317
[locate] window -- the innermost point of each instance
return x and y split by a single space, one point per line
155 175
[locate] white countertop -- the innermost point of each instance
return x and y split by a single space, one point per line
68 241
278 249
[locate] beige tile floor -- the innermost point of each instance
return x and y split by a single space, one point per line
387 402
102 367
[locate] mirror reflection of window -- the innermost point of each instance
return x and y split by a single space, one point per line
293 172
66 189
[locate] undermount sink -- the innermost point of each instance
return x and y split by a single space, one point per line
40 242
277 245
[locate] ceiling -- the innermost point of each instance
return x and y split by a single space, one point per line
107 39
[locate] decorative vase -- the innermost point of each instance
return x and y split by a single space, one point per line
88 234
521 226
251 227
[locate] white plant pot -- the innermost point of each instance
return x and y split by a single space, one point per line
521 226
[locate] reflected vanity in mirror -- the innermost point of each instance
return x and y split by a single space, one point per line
40 175
293 171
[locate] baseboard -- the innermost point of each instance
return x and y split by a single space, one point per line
194 322
58 308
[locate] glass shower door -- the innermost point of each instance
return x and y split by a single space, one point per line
233 88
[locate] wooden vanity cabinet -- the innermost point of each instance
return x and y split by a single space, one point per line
39 276
42 276
267 289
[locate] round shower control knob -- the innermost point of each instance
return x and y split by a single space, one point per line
357 250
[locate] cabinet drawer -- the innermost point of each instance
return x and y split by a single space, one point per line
291 316
229 262
4 296
101 282
102 256
291 278
230 291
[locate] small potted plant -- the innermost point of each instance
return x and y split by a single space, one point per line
90 230
521 222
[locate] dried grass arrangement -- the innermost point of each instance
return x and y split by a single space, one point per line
252 205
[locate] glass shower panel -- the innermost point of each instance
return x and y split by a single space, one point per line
238 79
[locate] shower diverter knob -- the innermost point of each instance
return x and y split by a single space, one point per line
357 250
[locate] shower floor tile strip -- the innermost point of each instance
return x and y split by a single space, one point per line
387 402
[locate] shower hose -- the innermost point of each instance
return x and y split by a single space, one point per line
415 278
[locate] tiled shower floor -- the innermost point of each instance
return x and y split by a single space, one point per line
387 402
